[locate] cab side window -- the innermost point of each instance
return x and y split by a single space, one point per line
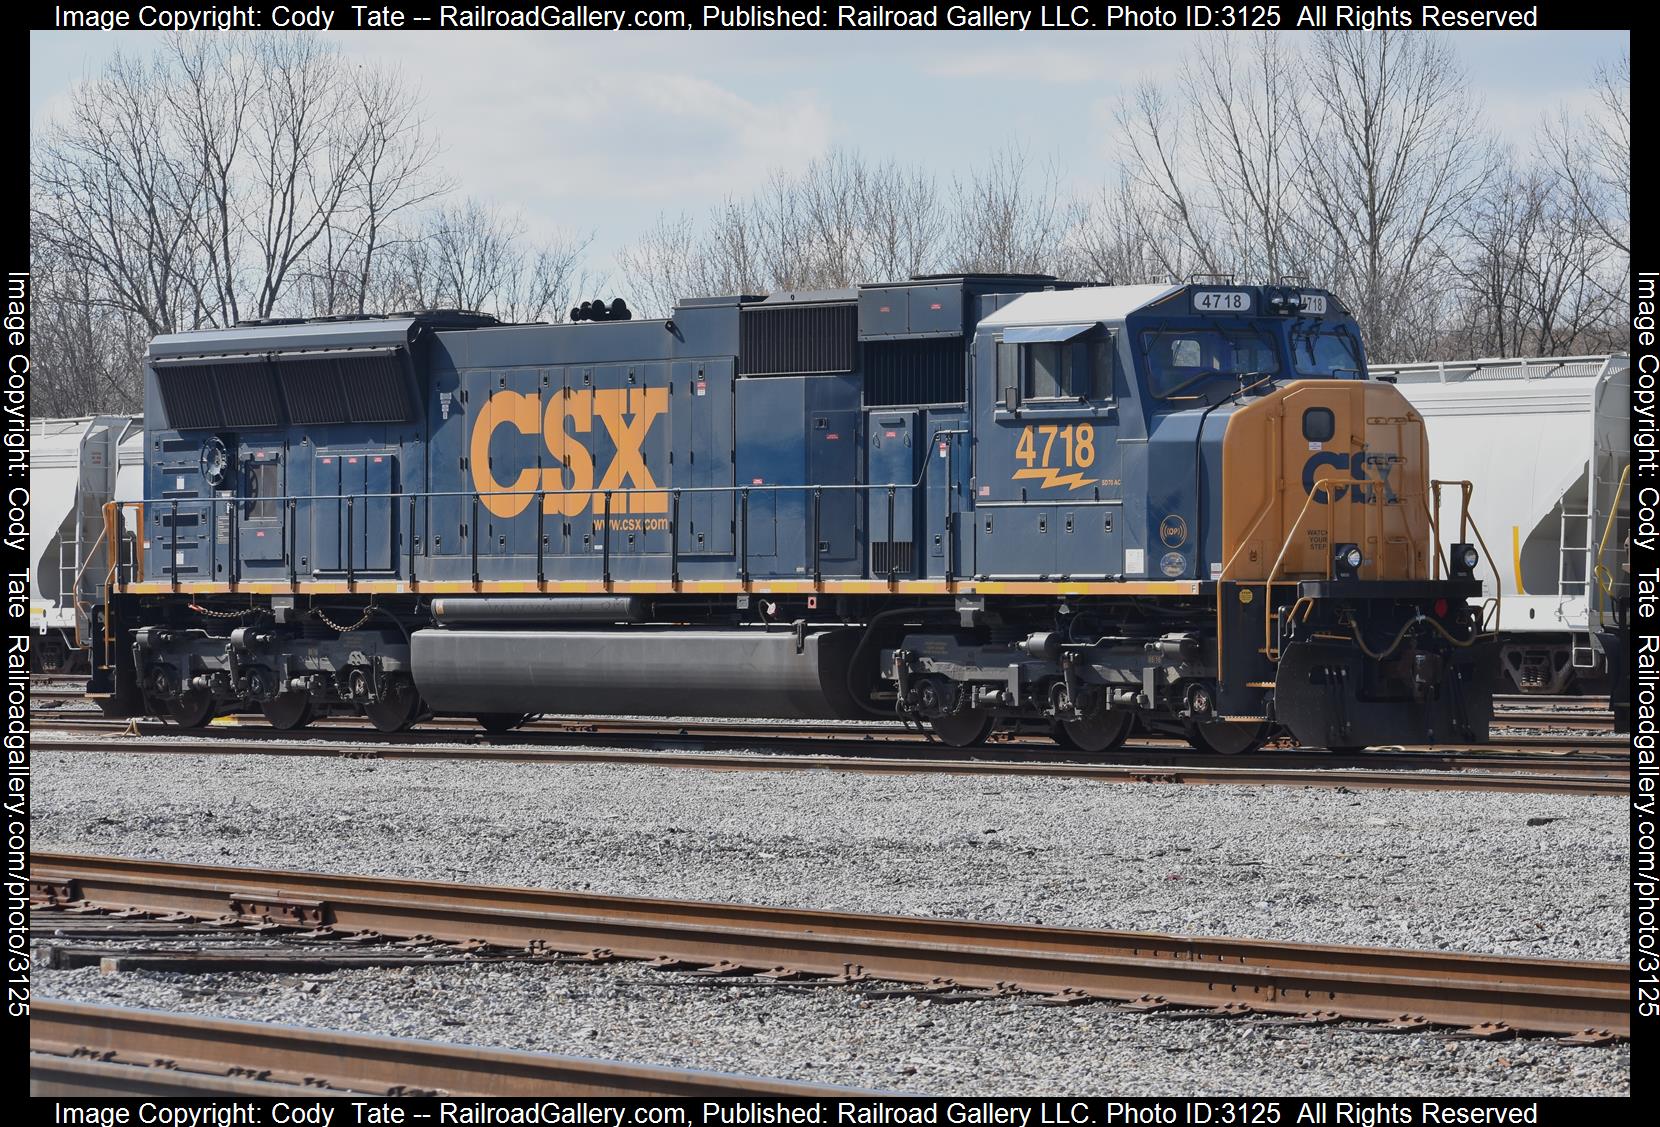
1081 369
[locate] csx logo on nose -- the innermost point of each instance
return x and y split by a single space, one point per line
628 414
1357 464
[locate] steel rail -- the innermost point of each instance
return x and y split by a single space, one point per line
1534 995
434 728
653 733
857 759
1587 754
79 1049
1591 721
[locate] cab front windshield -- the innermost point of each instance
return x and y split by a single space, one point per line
1325 352
1181 358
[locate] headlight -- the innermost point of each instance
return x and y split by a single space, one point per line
1346 560
1462 560
1471 557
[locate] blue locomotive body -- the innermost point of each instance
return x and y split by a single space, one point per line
915 497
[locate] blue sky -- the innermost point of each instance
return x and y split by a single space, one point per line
603 131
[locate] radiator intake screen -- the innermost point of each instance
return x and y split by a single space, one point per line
357 385
783 340
188 396
247 395
914 371
346 385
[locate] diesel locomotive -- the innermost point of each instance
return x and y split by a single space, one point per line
964 501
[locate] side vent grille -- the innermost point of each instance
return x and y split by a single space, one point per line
348 385
247 394
357 385
311 389
914 372
797 339
897 557
376 390
188 397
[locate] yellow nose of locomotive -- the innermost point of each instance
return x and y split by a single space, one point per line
1320 474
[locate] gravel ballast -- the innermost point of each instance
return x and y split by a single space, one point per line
1510 873
839 1036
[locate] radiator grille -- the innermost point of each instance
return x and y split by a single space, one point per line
311 389
188 397
797 339
376 391
366 385
247 394
897 557
914 371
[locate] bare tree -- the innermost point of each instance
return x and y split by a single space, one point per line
110 203
839 221
1393 154
1009 216
1213 169
1154 135
902 221
658 267
86 355
1592 154
393 177
210 96
472 257
306 151
1246 105
1114 241
198 184
1535 271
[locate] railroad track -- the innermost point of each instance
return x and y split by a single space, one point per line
1577 718
1485 994
89 1050
653 732
1468 771
1582 719
1547 700
57 692
1549 712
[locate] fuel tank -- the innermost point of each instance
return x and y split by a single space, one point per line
780 673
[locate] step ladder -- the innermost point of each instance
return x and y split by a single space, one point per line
1575 545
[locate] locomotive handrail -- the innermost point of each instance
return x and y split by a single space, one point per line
596 497
1325 485
600 499
1467 523
1320 485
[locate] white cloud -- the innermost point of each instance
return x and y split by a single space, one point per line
552 123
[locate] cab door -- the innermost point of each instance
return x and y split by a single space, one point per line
262 511
1046 454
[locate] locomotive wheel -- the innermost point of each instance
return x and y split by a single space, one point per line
397 710
962 729
499 722
192 710
1220 737
1105 731
288 712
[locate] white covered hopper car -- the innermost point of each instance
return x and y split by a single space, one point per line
76 466
1547 444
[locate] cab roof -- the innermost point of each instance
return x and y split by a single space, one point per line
1090 303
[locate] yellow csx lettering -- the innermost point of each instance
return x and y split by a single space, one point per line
627 414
